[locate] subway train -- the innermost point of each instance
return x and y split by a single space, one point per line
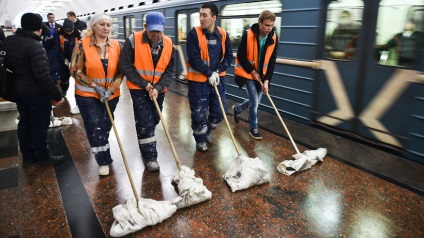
345 82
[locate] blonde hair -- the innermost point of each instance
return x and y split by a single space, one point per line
266 15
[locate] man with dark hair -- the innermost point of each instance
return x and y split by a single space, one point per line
255 62
34 90
51 45
78 24
209 55
51 23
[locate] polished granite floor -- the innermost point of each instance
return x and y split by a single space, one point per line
357 191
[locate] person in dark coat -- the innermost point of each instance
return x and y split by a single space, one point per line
34 90
78 24
407 44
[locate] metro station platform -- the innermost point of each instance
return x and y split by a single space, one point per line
357 191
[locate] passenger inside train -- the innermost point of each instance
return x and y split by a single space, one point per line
406 44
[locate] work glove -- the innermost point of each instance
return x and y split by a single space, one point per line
67 62
106 96
213 79
100 90
217 77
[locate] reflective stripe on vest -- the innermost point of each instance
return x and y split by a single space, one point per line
144 63
252 56
194 75
94 68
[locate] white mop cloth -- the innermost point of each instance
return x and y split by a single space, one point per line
246 172
129 218
61 121
192 190
56 121
302 161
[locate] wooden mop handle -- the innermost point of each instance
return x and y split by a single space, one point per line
226 121
122 151
167 134
281 119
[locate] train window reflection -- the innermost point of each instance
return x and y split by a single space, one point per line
182 28
195 19
399 42
234 23
129 25
344 21
115 28
253 8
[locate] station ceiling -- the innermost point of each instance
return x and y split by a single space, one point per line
12 10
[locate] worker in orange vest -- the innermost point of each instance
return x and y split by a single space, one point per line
255 62
209 54
147 62
95 68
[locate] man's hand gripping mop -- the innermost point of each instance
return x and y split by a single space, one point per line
245 172
191 189
301 161
139 212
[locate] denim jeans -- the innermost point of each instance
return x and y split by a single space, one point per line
97 125
206 112
34 112
146 119
254 95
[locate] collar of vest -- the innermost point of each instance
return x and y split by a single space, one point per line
215 31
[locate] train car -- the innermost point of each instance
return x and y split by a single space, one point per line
346 81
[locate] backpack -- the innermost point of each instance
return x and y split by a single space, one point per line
6 76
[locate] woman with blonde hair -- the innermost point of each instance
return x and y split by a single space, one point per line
95 68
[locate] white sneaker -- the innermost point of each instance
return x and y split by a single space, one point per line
75 110
104 170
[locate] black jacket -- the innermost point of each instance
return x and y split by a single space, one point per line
27 59
80 25
242 52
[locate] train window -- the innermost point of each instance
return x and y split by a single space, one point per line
399 42
344 21
182 24
129 25
115 28
195 19
235 23
182 28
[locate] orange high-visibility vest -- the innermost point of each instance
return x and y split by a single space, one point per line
62 42
144 63
94 68
194 75
252 56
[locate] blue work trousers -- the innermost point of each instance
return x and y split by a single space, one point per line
254 95
206 112
146 119
34 112
97 126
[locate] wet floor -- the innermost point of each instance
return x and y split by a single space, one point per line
357 191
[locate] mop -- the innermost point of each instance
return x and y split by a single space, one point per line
301 161
245 172
191 189
137 213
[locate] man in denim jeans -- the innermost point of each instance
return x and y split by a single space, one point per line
255 62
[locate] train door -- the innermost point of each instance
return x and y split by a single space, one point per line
186 20
370 87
